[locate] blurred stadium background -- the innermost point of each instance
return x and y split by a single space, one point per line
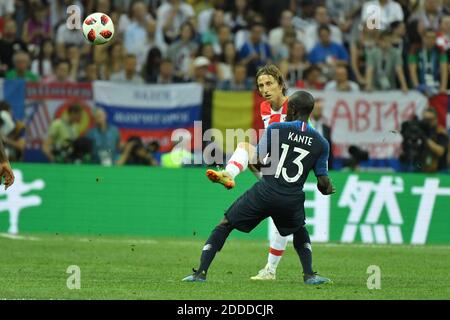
88 130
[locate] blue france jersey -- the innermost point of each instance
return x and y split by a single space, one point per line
294 148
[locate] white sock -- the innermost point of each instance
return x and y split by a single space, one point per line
237 163
278 245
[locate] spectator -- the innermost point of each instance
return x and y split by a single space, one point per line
346 15
326 53
341 81
211 34
320 124
75 61
135 36
66 37
105 140
104 6
311 33
272 10
150 71
227 60
239 81
240 16
294 67
43 64
12 133
281 52
443 36
6 9
182 50
436 143
62 73
205 15
385 66
171 15
101 59
129 73
358 53
135 153
255 52
134 10
9 45
166 74
386 11
276 35
90 72
206 50
414 34
430 14
243 35
151 42
398 35
303 11
200 73
425 144
38 26
22 68
61 135
115 57
428 66
224 35
313 79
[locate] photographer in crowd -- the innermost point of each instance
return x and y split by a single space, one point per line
61 135
425 144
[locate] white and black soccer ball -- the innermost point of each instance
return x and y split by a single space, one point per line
98 28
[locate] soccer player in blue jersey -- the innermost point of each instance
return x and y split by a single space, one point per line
301 149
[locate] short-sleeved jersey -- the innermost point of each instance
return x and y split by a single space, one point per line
270 116
300 149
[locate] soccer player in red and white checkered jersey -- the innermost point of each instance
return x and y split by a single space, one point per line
272 88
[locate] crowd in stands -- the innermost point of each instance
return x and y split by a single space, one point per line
333 45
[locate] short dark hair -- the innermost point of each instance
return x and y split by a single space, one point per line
302 102
4 106
323 27
74 108
310 70
274 71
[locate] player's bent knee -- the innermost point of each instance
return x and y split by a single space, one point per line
225 224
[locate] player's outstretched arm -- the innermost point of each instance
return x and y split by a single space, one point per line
325 186
5 168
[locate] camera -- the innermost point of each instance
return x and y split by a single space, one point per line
415 133
357 155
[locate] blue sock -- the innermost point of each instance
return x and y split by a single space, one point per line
214 243
302 245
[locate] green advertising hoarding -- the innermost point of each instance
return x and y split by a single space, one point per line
141 201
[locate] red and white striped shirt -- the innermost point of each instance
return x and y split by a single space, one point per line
270 116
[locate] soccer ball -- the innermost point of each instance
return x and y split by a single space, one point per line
98 28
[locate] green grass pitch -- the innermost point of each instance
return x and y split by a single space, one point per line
146 268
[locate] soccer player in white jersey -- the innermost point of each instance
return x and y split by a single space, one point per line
272 88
